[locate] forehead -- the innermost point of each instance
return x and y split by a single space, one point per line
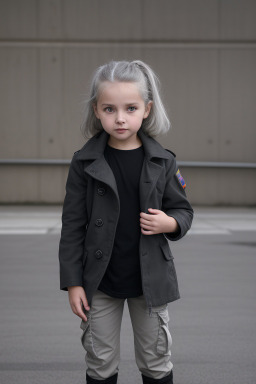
119 91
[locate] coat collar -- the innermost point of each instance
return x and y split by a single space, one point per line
94 148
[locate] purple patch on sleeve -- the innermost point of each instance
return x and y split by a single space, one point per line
180 179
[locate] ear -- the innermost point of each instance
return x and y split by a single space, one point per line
95 110
148 109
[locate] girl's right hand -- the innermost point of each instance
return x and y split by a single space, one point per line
77 299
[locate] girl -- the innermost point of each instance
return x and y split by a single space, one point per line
124 198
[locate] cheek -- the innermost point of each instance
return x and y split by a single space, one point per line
106 121
141 117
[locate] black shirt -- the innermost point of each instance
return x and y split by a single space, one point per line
122 278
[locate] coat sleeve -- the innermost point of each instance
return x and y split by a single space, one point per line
74 221
175 202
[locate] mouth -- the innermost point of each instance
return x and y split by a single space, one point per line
121 130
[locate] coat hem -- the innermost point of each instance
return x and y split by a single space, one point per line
156 303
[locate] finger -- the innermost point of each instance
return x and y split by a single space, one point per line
79 312
154 211
146 232
144 221
151 223
145 216
85 303
147 224
146 227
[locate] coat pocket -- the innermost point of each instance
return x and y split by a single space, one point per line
166 251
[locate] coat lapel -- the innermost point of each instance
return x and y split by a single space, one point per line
151 169
149 176
98 168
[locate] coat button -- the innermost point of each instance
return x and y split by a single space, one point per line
98 254
99 222
101 191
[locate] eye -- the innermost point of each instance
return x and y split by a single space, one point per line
132 109
108 109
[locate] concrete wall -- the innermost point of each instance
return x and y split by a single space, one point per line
204 52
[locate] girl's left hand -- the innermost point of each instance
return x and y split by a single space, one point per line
157 222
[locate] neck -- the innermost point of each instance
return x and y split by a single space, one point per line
123 145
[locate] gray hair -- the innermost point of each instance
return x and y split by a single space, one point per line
124 71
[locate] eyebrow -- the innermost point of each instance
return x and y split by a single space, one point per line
112 105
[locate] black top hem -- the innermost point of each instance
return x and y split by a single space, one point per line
120 295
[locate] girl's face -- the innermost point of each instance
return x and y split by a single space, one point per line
121 111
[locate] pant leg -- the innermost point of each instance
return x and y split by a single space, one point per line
152 339
101 337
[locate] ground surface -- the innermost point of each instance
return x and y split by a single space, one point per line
213 325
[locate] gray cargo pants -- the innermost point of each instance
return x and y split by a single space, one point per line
101 337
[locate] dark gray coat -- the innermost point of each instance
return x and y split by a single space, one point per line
90 216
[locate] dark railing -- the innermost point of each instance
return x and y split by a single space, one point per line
187 164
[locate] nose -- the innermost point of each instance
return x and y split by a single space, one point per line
120 119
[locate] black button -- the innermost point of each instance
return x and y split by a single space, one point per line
101 191
99 222
98 254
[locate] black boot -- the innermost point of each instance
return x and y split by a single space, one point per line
165 380
109 380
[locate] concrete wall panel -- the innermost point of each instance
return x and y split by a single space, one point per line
185 20
51 186
209 186
237 140
19 102
103 20
237 19
26 184
180 20
19 184
202 186
237 187
133 20
18 19
50 16
51 91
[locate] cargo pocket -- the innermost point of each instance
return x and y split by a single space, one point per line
86 338
164 341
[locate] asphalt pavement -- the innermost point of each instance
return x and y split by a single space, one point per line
213 325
